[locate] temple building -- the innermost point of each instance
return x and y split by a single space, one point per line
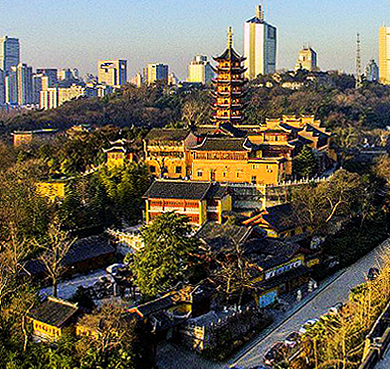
199 201
229 87
119 154
166 152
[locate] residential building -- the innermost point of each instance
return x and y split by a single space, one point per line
9 53
24 82
307 59
259 45
229 85
384 55
172 79
199 201
112 72
11 86
52 317
137 80
52 98
372 71
2 88
166 152
50 73
156 72
200 70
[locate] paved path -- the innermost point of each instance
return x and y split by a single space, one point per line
336 291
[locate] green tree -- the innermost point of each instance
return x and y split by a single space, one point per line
166 257
306 163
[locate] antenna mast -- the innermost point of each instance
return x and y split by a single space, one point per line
358 64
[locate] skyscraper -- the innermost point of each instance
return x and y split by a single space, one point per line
156 72
384 55
9 53
259 45
112 72
24 81
200 70
307 59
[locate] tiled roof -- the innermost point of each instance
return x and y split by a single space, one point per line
282 217
268 253
178 190
163 134
54 312
224 144
229 54
219 236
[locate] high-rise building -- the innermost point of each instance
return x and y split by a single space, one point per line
307 59
24 81
112 72
9 53
11 86
156 72
2 88
229 84
259 45
200 70
372 71
51 73
384 55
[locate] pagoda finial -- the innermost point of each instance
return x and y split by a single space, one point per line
230 38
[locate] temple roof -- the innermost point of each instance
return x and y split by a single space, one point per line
224 144
54 312
170 134
230 55
163 189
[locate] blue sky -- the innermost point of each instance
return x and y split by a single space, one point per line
76 33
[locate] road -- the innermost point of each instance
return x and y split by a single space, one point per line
336 291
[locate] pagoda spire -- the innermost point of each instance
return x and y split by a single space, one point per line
230 38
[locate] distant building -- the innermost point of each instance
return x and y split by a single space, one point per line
9 53
137 80
50 73
24 81
172 79
307 59
37 136
112 72
2 88
372 71
259 45
156 72
200 70
384 55
11 86
52 98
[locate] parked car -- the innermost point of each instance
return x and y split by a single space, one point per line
307 325
292 339
276 353
335 309
372 274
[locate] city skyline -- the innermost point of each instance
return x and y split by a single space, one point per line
71 34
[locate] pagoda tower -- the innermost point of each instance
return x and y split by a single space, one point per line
229 87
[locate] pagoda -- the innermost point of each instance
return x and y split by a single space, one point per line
229 87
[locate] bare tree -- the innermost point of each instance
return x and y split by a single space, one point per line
54 251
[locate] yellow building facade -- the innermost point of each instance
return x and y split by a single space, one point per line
52 190
384 55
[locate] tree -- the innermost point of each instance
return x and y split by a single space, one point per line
305 163
55 248
165 258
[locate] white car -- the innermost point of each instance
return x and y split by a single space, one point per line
308 324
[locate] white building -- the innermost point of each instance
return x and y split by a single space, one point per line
200 70
372 71
259 45
112 72
156 72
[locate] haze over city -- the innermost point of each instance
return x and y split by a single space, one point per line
77 34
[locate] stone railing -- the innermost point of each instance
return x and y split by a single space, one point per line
377 341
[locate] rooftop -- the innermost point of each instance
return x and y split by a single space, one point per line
189 190
163 134
53 311
224 144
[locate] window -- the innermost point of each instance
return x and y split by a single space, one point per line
178 170
199 173
253 179
152 169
